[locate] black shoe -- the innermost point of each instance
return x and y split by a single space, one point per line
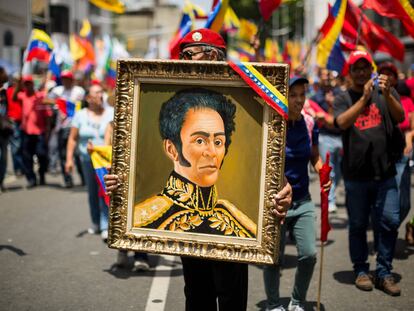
68 184
42 180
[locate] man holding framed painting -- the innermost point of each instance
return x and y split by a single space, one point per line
188 216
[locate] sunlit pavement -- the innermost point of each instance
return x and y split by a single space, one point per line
49 262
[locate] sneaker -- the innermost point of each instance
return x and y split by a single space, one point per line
364 282
104 235
388 286
296 307
122 259
140 265
279 308
93 231
332 208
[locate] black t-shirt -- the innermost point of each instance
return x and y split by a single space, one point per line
365 142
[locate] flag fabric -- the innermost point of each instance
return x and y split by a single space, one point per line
371 35
399 9
272 51
231 21
329 53
77 51
101 157
324 178
266 8
40 46
67 107
86 30
247 30
87 60
262 87
54 68
184 28
216 17
246 51
115 6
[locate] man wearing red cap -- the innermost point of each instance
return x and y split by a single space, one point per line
73 93
210 282
367 113
35 126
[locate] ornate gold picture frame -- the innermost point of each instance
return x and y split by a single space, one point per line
157 211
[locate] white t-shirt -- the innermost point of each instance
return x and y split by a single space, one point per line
90 129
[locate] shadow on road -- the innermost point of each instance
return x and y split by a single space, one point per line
338 222
13 249
402 252
309 305
158 265
348 277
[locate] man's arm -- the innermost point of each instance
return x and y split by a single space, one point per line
347 118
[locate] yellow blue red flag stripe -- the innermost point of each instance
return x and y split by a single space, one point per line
329 54
262 86
101 157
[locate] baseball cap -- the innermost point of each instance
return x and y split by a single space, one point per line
297 79
67 74
202 36
27 78
357 55
390 66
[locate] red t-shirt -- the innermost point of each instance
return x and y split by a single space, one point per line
34 113
14 109
408 106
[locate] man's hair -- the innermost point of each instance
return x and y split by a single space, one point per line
173 112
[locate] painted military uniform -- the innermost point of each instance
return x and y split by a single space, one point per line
183 206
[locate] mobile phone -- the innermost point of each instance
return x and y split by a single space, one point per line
375 77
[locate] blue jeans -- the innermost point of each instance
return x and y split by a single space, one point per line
16 144
403 179
97 207
380 198
333 145
301 220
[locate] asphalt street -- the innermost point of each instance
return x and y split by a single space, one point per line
49 262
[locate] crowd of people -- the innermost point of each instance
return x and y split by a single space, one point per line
364 120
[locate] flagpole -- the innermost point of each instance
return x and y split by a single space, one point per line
318 306
359 28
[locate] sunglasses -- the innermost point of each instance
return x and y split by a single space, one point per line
188 55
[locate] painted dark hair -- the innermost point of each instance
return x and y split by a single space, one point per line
173 111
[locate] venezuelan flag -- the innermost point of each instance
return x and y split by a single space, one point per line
86 30
101 157
40 46
184 28
67 107
216 17
231 21
329 53
262 87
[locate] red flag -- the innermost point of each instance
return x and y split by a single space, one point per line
324 178
267 7
372 35
399 9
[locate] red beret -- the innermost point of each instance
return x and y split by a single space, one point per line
202 36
